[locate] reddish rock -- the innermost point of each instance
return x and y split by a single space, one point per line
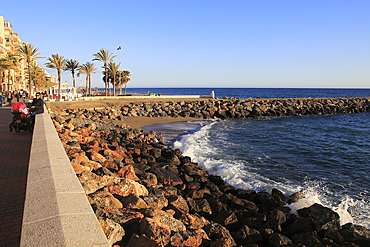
223 242
193 221
150 177
126 187
178 204
141 241
128 161
128 172
193 185
167 177
92 182
105 199
217 231
57 125
155 230
120 215
79 156
116 155
87 139
94 143
110 165
78 168
200 206
95 156
134 202
156 201
93 165
65 137
172 223
113 231
150 212
199 194
185 238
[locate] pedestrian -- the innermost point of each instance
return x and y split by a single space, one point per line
2 99
37 106
17 96
9 97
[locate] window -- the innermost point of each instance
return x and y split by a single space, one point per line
6 24
7 40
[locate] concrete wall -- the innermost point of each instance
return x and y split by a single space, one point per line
57 212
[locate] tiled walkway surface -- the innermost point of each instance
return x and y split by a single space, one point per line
14 157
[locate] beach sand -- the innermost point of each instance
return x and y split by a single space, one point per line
133 122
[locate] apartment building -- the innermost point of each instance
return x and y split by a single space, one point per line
13 79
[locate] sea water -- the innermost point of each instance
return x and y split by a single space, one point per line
326 156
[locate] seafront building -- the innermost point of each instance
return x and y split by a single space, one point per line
13 79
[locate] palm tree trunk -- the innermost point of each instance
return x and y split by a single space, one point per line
106 81
74 82
59 85
114 85
125 88
29 79
89 84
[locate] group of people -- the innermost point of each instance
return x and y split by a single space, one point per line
9 96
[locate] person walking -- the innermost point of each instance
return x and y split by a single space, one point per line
17 95
9 97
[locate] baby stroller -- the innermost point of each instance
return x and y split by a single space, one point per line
21 118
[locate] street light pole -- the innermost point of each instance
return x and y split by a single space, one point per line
119 68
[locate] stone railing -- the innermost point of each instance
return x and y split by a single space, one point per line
56 212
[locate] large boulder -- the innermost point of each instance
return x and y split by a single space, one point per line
105 199
125 187
167 177
92 182
112 230
155 230
318 212
119 215
247 235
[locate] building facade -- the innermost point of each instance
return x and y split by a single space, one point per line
14 79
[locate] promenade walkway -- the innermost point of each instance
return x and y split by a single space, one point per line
14 159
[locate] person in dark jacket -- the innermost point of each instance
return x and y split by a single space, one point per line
37 106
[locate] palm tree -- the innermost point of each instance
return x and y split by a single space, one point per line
5 64
82 70
57 62
12 61
113 70
124 79
39 78
88 69
104 56
29 52
72 65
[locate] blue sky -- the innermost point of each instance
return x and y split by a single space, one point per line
207 43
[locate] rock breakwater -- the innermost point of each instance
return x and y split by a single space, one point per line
226 108
146 194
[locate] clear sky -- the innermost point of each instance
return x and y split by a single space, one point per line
207 43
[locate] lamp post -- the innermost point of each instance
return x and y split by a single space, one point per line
119 68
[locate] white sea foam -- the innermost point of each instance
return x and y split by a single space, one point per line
199 146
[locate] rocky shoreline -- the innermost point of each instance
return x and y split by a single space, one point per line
226 108
146 194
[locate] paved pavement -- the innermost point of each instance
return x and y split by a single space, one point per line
14 158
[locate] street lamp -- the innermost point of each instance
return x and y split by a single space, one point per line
119 68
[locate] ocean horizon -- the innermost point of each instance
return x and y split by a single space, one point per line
256 92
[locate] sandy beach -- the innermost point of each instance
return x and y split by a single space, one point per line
133 122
